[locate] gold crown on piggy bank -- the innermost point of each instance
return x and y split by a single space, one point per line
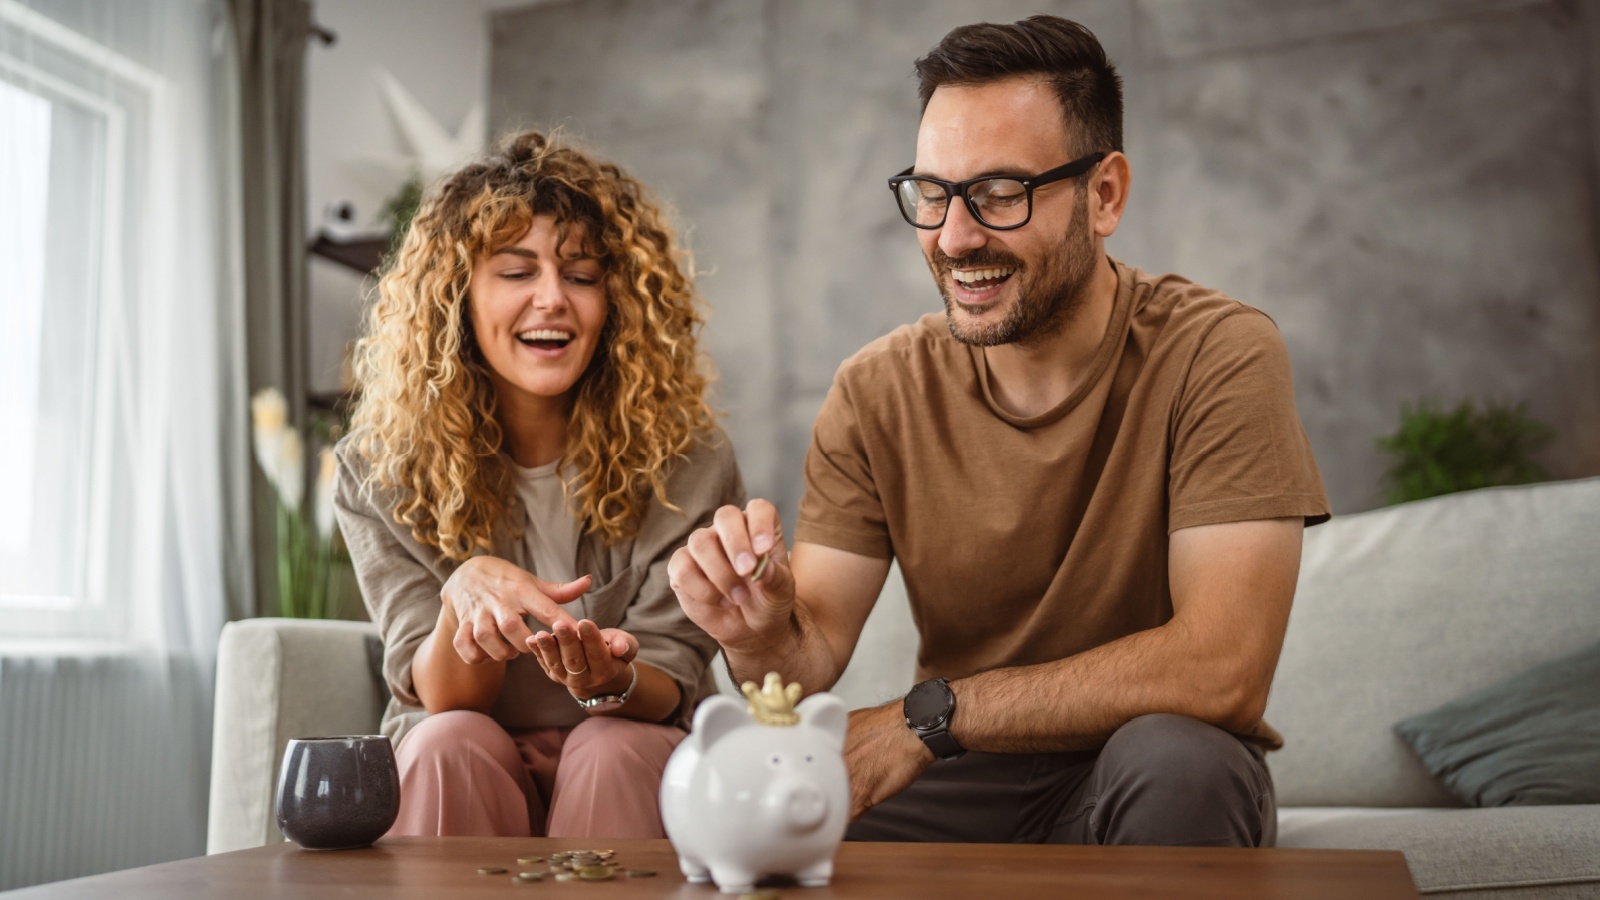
773 703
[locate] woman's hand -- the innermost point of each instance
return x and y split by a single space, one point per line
588 659
485 600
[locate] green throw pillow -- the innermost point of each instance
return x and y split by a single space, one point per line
1531 740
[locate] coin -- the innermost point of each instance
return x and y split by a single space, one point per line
529 860
531 876
566 876
641 873
596 873
761 567
491 871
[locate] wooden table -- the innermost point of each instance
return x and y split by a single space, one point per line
448 867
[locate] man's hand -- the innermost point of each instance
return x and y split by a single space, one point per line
713 576
485 601
882 755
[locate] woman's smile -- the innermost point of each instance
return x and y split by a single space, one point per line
538 310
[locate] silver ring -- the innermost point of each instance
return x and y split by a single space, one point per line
579 672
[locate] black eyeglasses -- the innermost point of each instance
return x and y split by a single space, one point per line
1001 202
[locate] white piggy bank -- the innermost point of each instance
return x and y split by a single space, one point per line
742 800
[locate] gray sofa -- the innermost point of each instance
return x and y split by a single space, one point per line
1398 610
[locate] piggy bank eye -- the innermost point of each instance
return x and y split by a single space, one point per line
776 759
808 757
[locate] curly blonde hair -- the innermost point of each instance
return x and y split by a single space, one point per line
425 419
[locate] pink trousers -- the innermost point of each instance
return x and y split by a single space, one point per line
462 774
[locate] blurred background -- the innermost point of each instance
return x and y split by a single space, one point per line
1407 188
194 194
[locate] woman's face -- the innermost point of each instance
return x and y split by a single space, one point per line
537 311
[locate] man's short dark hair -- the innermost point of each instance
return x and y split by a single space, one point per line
1060 51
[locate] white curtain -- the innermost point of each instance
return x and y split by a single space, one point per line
123 449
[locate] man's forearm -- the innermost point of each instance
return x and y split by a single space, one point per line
1078 702
1232 587
800 654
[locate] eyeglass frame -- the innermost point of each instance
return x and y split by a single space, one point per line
959 189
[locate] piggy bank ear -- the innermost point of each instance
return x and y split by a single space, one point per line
717 716
826 712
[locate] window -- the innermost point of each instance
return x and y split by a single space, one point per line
24 174
73 121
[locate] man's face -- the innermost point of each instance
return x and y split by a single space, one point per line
1003 287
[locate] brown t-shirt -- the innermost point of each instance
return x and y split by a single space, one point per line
1026 540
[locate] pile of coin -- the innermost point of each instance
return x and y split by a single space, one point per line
571 865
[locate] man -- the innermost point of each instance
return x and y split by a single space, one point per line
1094 479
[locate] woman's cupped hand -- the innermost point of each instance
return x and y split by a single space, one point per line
490 598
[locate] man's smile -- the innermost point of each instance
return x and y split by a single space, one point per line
976 287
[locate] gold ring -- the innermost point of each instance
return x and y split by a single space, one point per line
579 672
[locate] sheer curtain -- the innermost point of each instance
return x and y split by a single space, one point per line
124 464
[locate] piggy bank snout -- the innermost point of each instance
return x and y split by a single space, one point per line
800 805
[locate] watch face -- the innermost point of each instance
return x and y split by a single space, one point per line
927 705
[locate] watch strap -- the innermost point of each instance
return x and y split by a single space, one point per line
942 744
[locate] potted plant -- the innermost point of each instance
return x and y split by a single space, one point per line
307 541
1441 451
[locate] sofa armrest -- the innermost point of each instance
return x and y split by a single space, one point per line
279 679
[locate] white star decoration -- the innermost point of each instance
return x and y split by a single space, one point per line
434 151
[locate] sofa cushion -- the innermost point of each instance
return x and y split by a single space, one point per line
1531 740
1521 852
1402 609
279 679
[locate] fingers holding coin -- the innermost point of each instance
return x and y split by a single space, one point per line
765 528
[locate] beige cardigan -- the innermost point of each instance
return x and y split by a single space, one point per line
401 578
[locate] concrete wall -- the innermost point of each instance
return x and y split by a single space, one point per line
1406 186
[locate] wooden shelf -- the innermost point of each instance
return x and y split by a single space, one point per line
364 256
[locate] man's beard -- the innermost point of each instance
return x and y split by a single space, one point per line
1048 296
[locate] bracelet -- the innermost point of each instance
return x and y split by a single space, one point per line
608 702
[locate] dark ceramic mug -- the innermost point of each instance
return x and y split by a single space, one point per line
338 793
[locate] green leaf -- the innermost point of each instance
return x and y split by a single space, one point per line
1440 450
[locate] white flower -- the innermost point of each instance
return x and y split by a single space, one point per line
269 414
291 468
327 469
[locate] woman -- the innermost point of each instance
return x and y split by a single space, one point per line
531 444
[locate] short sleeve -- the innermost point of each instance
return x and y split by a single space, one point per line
841 507
1239 451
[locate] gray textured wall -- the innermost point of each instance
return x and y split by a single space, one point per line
1406 186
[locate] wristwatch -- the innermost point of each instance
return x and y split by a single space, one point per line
608 702
928 709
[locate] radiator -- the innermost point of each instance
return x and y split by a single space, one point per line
103 763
